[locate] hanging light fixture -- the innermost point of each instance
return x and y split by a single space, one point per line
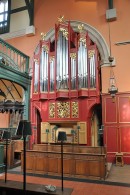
112 90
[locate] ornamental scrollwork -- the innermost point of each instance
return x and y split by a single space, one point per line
46 48
52 110
65 32
63 110
73 55
43 35
75 110
61 19
91 53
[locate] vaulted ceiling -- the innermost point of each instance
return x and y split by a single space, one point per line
10 91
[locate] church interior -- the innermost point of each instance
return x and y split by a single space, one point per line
64 102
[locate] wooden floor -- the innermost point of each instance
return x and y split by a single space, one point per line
117 182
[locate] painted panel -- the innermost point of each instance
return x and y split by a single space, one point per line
111 139
110 111
45 135
125 139
82 132
124 109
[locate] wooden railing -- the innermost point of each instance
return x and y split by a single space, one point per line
81 162
12 57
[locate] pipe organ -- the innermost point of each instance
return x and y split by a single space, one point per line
73 65
44 69
66 79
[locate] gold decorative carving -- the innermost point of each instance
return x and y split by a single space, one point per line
61 19
46 48
52 58
51 110
81 28
43 35
63 110
75 110
91 53
83 40
82 32
73 55
65 32
36 60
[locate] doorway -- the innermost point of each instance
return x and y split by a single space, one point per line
39 120
96 126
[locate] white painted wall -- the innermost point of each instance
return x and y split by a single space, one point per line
19 20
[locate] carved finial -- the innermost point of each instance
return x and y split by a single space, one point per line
43 35
61 19
81 27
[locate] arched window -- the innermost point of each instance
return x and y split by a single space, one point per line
4 16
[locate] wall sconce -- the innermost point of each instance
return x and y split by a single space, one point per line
112 90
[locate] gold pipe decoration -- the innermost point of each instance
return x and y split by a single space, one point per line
81 28
65 32
61 19
73 55
83 40
36 60
52 58
46 48
91 53
43 35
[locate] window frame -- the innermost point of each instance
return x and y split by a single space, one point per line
5 29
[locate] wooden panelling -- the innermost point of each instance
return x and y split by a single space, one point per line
18 145
111 134
70 148
125 139
124 109
45 137
75 164
82 132
110 111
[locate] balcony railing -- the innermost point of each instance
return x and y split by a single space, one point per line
12 57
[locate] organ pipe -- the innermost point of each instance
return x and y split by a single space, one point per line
80 71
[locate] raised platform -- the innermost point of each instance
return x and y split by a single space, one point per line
16 187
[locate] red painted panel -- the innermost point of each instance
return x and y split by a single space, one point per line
43 95
125 139
83 93
73 93
126 158
52 95
110 111
111 139
124 109
111 157
35 96
62 94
